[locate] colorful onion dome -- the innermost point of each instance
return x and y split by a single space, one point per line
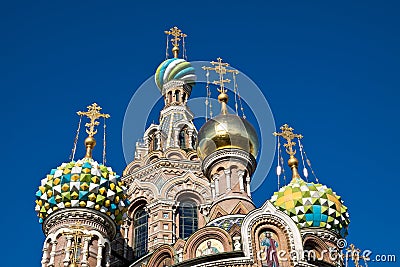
85 184
227 131
174 69
312 205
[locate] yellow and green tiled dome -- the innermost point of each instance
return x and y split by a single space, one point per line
312 205
174 69
85 184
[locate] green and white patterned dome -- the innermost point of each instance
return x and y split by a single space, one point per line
312 205
85 184
174 69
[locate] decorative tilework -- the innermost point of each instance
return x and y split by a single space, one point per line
227 223
84 183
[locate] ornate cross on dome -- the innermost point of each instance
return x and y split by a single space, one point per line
76 233
287 133
220 68
93 114
176 33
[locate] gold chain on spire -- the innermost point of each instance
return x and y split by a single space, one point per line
176 33
287 133
93 114
221 69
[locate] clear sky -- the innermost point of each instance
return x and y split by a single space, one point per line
328 68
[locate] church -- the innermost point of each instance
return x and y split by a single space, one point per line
185 200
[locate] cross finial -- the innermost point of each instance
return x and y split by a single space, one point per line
93 114
221 69
287 133
176 33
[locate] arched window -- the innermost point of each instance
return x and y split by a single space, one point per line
187 219
169 97
153 140
140 232
193 141
182 138
177 96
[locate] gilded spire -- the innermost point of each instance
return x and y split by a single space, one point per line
93 114
176 33
287 133
221 69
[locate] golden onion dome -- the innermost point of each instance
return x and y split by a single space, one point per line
227 131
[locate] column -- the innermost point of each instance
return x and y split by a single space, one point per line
85 252
125 226
146 141
44 257
236 243
52 253
68 250
228 179
216 184
108 255
248 186
213 190
174 219
158 140
241 182
190 137
180 254
99 254
176 137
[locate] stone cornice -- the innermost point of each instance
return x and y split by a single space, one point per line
164 164
176 108
92 219
161 202
226 155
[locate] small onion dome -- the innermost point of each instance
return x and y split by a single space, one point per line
174 69
227 131
84 183
312 205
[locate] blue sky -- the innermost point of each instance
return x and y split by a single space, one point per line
328 68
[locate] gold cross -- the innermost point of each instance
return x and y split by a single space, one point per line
176 33
355 255
287 133
221 69
77 234
93 114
